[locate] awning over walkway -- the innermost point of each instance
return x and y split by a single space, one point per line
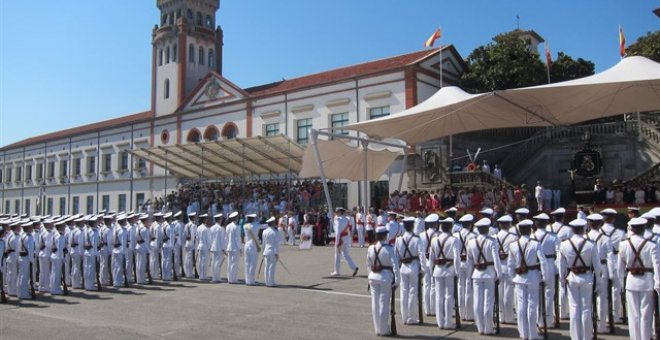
238 157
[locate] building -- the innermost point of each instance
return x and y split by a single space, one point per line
87 168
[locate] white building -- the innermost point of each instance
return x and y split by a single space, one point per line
86 169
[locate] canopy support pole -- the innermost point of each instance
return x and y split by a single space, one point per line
365 184
404 168
165 188
314 134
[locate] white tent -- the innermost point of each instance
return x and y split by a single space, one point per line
633 85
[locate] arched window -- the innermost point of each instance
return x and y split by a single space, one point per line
209 21
178 13
193 136
211 58
163 19
191 53
229 131
166 89
171 18
201 55
211 133
160 57
167 55
189 14
199 19
175 51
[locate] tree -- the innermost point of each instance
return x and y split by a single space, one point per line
647 46
507 63
565 68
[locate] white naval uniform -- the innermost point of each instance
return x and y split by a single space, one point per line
291 231
465 301
77 250
506 287
428 297
444 259
233 252
407 249
25 257
394 230
383 267
119 245
203 248
67 255
579 285
105 254
482 251
155 247
419 226
177 234
143 237
43 243
218 250
58 245
549 245
11 262
271 244
190 233
606 254
251 252
616 236
528 252
562 232
639 287
169 236
91 242
359 226
342 243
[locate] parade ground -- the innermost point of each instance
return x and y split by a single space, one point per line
308 304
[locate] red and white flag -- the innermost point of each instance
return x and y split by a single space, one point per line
548 55
622 42
435 36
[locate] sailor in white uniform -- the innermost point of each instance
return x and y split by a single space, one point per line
562 232
271 244
383 276
549 245
465 302
504 240
444 259
428 297
408 249
616 237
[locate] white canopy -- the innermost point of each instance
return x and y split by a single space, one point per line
633 85
343 161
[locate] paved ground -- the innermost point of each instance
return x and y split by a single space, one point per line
307 305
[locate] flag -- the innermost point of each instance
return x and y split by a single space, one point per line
622 42
548 55
435 36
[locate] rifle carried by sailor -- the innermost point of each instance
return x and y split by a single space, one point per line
543 312
393 312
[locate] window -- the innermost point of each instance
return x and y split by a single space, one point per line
199 19
123 162
178 13
17 206
107 162
201 55
189 14
75 205
91 165
191 53
90 205
339 120
19 173
166 90
167 55
377 112
211 133
230 131
49 206
193 136
8 175
64 168
171 18
272 129
160 57
163 20
1 178
28 208
62 205
142 164
302 130
175 51
209 21
76 167
121 202
105 202
211 57
28 172
51 169
7 206
40 171
139 201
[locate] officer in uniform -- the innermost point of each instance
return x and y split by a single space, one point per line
504 240
606 256
464 273
44 239
156 245
383 275
428 297
579 263
169 235
520 214
407 249
218 247
271 244
549 245
119 246
25 257
177 234
252 249
562 232
393 227
342 242
233 248
529 267
189 235
370 227
91 244
444 259
639 258
76 243
203 246
616 236
106 231
57 253
12 251
143 237
483 262
359 226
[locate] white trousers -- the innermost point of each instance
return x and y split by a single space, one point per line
11 275
343 251
603 306
465 294
232 266
167 263
549 303
639 306
89 263
270 262
617 290
381 292
177 260
76 271
104 271
291 240
579 298
141 267
444 302
484 304
44 273
563 302
280 230
506 300
23 278
217 258
55 276
118 269
67 268
154 262
360 233
429 298
250 261
408 297
130 264
527 306
188 263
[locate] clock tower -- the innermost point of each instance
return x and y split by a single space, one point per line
186 47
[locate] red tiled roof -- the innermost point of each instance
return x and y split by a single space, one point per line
134 118
342 73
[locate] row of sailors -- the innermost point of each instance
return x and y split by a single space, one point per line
102 250
526 259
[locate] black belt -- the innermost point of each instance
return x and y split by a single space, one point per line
140 242
525 269
54 250
117 245
409 260
551 256
444 262
603 261
616 252
74 245
639 271
483 265
463 258
23 253
580 270
378 269
88 247
504 256
166 239
9 251
42 247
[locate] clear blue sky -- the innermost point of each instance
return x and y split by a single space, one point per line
67 63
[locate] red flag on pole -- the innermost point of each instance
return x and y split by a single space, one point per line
548 55
435 36
622 42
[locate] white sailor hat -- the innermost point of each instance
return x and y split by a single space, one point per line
655 211
192 214
637 221
578 223
202 215
144 216
525 223
26 225
522 211
648 216
339 209
466 218
432 218
381 230
271 219
251 215
60 224
487 211
233 214
452 209
79 219
217 215
167 215
505 218
408 219
121 217
177 214
448 220
392 213
484 222
48 221
158 214
541 216
595 217
608 211
633 208
108 217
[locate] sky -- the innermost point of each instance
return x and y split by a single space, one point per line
67 63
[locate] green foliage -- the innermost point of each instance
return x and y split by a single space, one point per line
565 68
647 46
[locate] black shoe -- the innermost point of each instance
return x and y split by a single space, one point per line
355 271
